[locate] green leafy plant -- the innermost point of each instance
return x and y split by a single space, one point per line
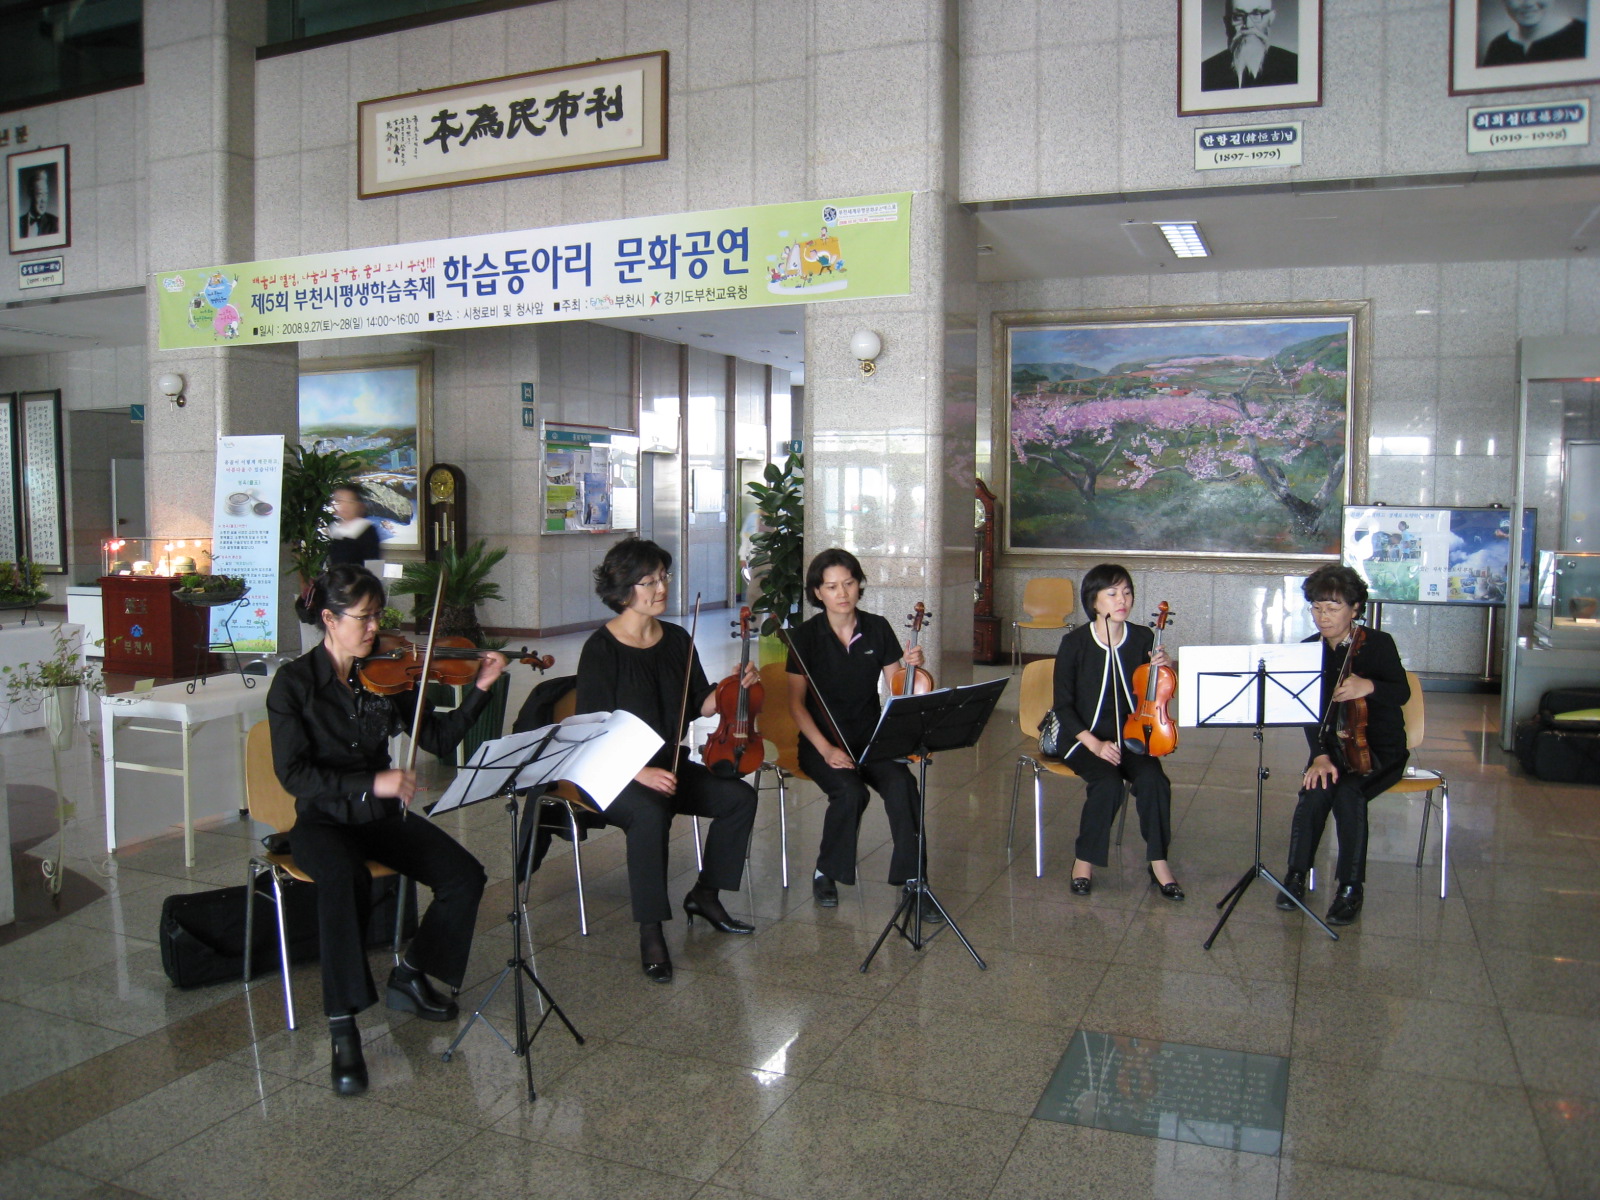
467 584
211 584
22 582
778 551
390 617
309 482
26 685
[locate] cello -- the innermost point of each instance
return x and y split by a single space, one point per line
1149 728
735 748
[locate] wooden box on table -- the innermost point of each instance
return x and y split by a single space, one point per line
150 632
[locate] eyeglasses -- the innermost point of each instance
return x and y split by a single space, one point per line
363 618
1241 16
662 580
1330 608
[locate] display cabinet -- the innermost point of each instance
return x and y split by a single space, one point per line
1568 613
156 556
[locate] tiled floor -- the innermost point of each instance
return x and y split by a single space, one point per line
1442 1049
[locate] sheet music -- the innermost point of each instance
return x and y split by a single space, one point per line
1292 695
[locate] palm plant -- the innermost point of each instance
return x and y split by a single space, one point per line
309 482
778 551
467 584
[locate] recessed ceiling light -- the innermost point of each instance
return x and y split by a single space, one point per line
788 332
1184 238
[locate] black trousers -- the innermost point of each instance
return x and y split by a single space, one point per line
1347 800
1152 795
645 816
335 856
847 804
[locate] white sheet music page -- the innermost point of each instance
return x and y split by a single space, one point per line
1216 683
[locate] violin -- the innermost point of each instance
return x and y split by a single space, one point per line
1149 728
736 748
1344 725
397 664
914 681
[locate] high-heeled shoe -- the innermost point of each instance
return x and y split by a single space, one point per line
653 955
349 1065
700 903
1294 882
1172 891
1081 885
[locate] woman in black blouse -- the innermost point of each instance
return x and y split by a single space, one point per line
636 662
1093 696
1338 597
330 749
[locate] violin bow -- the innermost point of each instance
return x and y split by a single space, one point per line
422 683
788 641
683 704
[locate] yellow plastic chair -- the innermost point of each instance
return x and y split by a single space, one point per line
570 800
782 740
273 806
1038 691
1046 604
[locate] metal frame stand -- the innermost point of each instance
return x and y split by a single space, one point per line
209 647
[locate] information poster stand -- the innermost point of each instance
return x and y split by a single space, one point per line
591 478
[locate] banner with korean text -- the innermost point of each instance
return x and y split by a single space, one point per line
846 249
244 537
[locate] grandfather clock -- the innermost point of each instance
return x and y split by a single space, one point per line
985 624
444 510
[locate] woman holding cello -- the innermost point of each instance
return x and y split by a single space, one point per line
1359 749
1094 696
649 668
835 662
330 749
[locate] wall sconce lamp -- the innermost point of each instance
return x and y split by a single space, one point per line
866 346
172 388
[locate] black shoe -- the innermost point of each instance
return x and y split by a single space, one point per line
1172 891
409 991
1295 882
930 911
704 903
824 891
1081 885
1346 906
349 1067
653 954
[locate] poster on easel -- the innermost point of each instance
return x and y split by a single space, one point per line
591 479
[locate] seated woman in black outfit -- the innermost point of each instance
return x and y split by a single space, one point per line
847 651
637 663
1093 697
1338 596
330 749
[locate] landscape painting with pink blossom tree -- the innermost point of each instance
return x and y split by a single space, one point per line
1224 437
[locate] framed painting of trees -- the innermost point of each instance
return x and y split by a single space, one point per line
1226 437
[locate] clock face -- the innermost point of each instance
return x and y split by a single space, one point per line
441 487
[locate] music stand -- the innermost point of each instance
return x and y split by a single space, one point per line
1229 699
497 774
913 727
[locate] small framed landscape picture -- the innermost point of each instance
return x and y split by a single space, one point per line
1514 45
1246 55
37 188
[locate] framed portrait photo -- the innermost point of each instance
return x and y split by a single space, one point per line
1514 45
1246 55
38 190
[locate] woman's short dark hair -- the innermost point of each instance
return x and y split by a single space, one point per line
338 590
1335 581
626 563
834 557
1097 579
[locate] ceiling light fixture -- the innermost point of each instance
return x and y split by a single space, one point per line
1184 238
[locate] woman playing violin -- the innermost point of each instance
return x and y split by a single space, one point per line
1093 696
844 649
649 668
330 749
1373 673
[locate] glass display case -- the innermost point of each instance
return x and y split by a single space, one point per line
1568 614
156 556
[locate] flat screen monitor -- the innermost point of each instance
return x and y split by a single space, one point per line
1435 555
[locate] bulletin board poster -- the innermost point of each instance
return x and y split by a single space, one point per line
244 537
591 480
852 248
1436 555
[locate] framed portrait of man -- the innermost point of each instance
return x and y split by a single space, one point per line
37 190
1515 45
1246 55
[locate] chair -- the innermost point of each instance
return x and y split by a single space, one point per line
271 805
1046 604
1038 691
571 801
1423 780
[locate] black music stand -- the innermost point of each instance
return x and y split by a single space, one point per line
1237 684
913 727
497 775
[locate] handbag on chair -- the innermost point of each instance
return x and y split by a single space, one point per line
1050 734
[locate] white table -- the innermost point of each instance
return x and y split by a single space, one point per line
170 709
24 644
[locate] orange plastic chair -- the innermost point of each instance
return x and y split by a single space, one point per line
1046 604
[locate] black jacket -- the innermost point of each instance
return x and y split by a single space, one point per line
1278 68
1378 661
328 741
1082 678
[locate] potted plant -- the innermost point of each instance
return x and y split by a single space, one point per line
52 684
210 591
777 563
309 481
467 584
22 584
